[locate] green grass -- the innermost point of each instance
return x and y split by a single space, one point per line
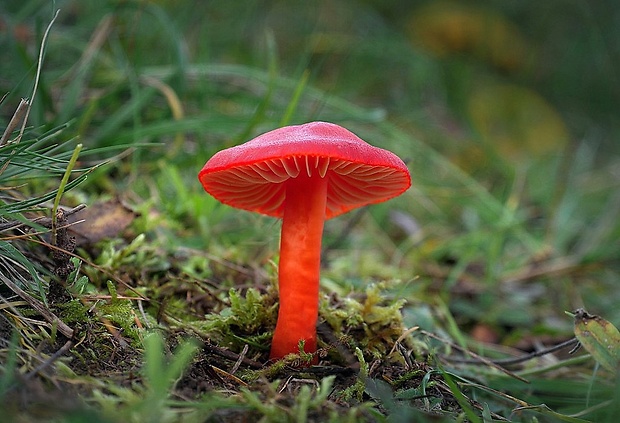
492 243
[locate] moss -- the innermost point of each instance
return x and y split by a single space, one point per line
248 320
73 311
121 313
376 319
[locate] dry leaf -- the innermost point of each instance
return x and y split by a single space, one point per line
101 220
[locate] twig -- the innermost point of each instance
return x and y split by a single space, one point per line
573 342
403 352
240 359
43 221
39 307
230 376
33 234
18 117
476 356
231 355
50 360
95 266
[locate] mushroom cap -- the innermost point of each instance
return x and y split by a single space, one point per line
252 176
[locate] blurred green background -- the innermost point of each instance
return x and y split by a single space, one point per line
505 111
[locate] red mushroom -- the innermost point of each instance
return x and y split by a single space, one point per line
303 174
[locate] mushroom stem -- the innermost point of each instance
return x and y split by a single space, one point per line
300 261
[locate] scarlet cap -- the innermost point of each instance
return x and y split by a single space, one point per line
252 176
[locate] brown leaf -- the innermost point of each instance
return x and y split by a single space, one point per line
101 220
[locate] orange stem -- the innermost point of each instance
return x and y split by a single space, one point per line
300 261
